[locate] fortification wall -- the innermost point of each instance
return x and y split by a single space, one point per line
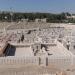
62 63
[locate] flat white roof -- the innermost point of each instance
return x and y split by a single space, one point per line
59 51
56 51
23 51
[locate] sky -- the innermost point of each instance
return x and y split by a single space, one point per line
52 6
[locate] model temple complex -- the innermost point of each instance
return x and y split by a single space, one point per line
37 48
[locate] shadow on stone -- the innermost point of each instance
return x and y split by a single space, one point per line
10 50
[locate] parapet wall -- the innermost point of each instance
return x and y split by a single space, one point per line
62 63
18 60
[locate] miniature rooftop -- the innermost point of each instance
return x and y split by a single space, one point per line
53 51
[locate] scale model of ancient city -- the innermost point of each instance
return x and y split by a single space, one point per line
37 48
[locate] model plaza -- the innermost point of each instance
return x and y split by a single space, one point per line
48 48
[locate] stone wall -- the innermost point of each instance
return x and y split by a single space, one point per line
61 62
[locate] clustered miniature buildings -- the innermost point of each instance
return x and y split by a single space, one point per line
41 44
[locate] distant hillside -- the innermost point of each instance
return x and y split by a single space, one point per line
17 16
